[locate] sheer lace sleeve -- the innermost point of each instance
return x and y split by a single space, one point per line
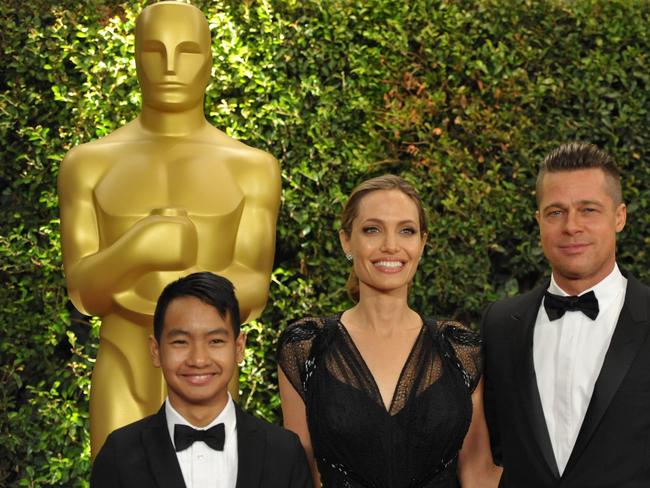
467 348
294 350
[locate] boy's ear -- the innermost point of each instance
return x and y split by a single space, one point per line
154 351
240 345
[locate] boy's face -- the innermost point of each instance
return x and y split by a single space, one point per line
198 354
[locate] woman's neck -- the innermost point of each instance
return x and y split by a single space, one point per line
382 314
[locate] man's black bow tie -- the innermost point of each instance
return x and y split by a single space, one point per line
556 305
185 436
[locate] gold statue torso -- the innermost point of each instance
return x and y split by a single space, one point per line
197 179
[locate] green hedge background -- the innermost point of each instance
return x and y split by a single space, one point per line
463 98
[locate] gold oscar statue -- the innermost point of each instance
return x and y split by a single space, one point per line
164 196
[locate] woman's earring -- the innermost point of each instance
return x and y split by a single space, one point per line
348 256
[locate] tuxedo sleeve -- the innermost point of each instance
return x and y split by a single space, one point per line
489 396
104 471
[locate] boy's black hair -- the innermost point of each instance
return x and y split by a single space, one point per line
210 288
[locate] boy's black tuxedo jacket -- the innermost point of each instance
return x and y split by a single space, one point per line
141 455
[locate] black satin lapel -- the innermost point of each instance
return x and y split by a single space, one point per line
630 333
251 446
523 328
160 452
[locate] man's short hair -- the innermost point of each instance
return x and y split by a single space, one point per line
575 156
210 288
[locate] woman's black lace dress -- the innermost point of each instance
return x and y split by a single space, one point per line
357 442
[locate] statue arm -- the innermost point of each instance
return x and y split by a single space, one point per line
95 273
255 244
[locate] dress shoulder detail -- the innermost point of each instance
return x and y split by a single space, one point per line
296 350
304 329
465 348
459 333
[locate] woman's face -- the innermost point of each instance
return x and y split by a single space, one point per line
385 242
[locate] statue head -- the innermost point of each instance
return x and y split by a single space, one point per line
172 55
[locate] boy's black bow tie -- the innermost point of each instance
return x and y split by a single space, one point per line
556 305
185 436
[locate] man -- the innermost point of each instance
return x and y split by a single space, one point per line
568 363
199 438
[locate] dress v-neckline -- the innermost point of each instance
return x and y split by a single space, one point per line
370 374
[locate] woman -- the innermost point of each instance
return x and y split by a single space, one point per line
380 396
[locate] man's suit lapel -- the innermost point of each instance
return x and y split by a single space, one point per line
251 446
522 330
160 452
629 334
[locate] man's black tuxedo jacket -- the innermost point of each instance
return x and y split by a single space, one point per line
141 455
613 446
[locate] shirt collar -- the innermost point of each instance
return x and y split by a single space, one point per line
605 290
227 416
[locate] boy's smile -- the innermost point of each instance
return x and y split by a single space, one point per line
198 355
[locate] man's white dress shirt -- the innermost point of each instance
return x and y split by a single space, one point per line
201 465
568 354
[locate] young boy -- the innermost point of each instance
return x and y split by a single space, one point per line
199 437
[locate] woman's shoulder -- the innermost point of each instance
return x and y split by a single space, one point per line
304 329
305 332
458 333
452 331
462 345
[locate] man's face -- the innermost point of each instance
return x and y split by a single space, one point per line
578 222
198 354
173 56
